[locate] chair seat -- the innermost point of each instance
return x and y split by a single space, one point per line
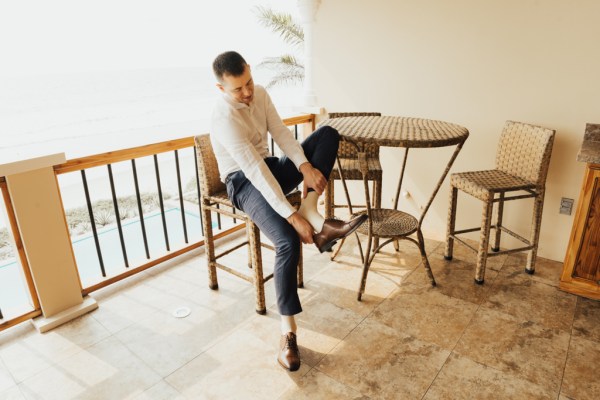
351 169
483 184
389 223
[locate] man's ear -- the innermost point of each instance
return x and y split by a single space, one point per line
221 88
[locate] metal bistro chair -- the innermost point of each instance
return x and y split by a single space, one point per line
348 162
213 196
522 162
390 224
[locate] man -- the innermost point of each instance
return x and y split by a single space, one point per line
257 183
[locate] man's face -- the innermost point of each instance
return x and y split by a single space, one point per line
240 88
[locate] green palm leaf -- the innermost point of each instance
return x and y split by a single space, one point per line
288 69
281 23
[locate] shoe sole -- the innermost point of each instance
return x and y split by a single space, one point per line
329 245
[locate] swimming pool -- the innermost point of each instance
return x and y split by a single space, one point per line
13 292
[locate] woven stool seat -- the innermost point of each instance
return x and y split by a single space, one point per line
389 223
483 184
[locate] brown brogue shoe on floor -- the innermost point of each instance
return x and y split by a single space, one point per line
334 230
289 355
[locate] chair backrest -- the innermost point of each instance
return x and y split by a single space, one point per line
208 169
524 151
346 150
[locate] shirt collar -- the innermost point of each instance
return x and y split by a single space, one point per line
235 104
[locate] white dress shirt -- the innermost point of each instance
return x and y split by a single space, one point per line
239 138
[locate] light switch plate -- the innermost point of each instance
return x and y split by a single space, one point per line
566 206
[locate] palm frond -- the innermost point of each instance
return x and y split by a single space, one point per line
281 23
287 68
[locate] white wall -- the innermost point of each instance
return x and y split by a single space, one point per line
476 63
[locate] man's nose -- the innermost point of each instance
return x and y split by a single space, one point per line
247 92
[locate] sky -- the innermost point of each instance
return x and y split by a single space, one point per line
58 36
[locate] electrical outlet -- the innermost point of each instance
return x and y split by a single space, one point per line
566 206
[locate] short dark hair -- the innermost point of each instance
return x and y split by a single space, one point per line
230 63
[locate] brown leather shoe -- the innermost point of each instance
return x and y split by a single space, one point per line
334 229
289 355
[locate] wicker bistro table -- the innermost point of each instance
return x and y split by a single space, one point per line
392 131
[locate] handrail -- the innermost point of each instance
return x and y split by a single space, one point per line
83 163
96 160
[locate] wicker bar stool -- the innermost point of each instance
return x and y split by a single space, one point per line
522 162
213 198
348 159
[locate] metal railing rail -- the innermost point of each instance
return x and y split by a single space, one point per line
107 159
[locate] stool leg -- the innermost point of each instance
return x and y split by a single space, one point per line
424 258
376 204
259 282
209 246
499 223
536 223
451 224
484 241
329 198
366 265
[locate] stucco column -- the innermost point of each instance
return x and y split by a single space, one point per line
39 214
308 12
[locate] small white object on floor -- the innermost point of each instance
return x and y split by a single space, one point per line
182 312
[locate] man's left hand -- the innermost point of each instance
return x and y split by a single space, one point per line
313 178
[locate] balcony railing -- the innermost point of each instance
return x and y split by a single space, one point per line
131 209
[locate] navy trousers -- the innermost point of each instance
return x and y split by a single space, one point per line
320 149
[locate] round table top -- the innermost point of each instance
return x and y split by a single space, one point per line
398 131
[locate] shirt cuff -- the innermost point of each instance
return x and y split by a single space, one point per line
285 209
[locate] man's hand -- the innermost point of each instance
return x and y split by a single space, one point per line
304 229
313 178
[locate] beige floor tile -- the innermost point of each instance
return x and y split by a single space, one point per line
161 391
166 343
6 379
321 326
518 294
426 313
12 394
581 372
317 386
32 352
586 323
454 278
462 378
341 279
468 256
242 366
120 311
382 363
546 271
106 370
529 350
83 331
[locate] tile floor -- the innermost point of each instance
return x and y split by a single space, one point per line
517 336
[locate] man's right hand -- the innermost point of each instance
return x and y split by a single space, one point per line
301 225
